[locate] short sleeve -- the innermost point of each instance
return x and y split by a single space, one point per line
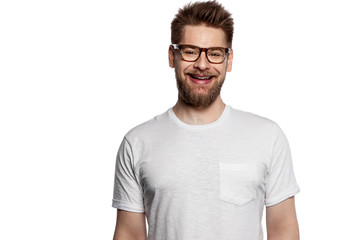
128 194
280 182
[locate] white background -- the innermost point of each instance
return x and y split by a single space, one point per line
77 75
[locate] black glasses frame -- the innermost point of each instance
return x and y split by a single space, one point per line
180 46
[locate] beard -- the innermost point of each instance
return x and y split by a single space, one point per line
188 94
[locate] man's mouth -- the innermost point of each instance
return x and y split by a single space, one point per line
200 79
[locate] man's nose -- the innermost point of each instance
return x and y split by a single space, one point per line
202 63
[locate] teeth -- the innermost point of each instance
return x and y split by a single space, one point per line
202 78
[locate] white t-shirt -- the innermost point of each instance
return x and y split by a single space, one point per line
204 182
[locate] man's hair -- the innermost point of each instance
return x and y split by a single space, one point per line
210 14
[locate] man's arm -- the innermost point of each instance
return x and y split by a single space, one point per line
130 226
281 221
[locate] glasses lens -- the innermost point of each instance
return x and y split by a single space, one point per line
216 55
190 53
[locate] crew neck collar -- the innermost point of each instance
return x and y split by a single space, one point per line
226 112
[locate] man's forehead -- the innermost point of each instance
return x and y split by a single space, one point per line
203 36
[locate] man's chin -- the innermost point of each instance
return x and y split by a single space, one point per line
198 95
200 91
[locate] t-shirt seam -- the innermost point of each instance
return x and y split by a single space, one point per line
272 144
133 161
201 127
293 189
127 204
132 155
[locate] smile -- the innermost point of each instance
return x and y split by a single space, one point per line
200 79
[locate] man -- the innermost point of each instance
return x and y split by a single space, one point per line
204 170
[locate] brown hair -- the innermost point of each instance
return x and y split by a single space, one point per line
210 13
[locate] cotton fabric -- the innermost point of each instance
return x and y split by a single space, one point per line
204 182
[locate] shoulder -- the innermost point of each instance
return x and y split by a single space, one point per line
146 130
252 121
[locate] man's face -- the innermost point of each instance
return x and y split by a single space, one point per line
193 90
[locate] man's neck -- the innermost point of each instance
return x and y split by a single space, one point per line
199 115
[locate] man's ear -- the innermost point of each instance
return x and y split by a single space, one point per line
229 61
171 58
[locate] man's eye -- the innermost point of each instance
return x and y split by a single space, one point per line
215 53
190 52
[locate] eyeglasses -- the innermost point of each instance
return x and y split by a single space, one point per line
192 53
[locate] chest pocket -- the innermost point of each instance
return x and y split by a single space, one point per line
238 183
